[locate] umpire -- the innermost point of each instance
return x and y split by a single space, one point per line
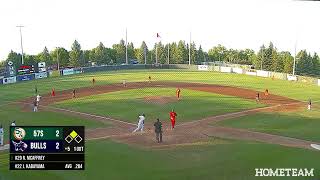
158 130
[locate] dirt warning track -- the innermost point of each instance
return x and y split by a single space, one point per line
190 132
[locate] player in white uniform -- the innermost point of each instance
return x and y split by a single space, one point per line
38 98
309 104
140 123
1 135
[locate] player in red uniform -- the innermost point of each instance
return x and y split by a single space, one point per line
173 116
178 91
53 92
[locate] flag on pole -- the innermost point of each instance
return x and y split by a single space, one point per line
158 35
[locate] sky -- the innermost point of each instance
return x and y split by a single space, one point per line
235 24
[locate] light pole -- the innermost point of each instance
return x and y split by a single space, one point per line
20 26
58 59
294 59
126 47
262 57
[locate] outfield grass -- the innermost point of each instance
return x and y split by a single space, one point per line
300 91
223 160
303 124
127 104
11 113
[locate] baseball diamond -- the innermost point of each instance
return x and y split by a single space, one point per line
216 117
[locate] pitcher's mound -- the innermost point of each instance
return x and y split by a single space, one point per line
160 99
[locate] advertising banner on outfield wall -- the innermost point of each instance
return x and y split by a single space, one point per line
225 69
26 77
9 80
203 67
237 70
291 78
67 72
263 73
251 73
41 75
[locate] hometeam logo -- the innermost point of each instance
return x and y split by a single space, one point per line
19 133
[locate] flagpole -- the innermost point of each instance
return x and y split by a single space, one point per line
156 53
126 48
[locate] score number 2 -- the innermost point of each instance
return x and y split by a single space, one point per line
57 133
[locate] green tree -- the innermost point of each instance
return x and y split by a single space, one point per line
44 56
218 53
60 54
15 58
75 54
200 56
287 60
181 53
120 50
140 53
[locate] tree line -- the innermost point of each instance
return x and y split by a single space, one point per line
267 58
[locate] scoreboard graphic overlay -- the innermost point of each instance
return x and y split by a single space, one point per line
47 148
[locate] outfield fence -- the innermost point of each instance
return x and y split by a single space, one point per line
229 68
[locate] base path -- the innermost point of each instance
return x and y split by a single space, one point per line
186 133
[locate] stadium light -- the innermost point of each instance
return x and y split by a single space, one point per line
20 26
58 59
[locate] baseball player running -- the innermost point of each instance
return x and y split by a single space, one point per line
140 123
38 98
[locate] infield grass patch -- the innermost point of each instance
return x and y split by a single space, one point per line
128 104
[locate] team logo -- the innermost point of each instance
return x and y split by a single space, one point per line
20 146
19 133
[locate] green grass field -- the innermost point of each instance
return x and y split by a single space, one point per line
220 159
300 91
126 105
302 124
217 159
11 113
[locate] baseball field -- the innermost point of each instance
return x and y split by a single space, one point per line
221 132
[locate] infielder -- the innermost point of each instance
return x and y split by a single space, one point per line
74 93
257 97
178 91
309 104
140 123
53 92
